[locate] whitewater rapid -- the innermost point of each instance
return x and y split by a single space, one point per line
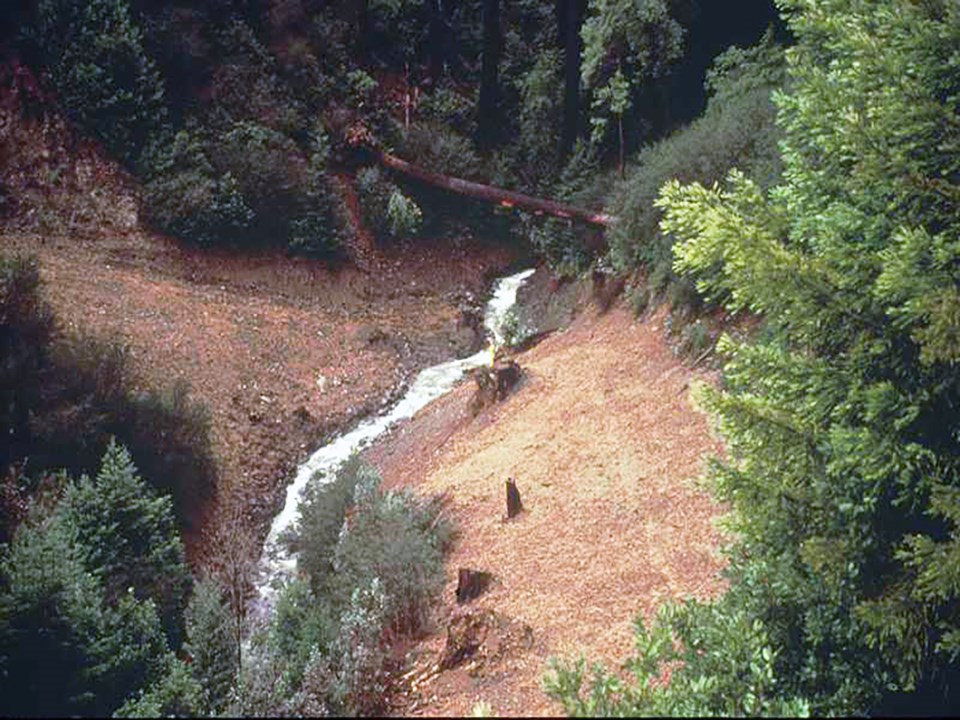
276 564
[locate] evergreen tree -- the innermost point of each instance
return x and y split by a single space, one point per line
841 421
63 650
130 538
211 644
104 80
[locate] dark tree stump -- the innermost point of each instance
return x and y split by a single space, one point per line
494 383
514 506
471 584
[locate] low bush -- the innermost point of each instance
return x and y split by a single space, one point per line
737 128
385 209
373 562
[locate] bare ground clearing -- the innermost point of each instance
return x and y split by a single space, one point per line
604 444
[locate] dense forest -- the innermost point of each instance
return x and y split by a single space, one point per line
782 176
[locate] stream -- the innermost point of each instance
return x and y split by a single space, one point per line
276 563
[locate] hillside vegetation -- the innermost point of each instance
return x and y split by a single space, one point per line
208 268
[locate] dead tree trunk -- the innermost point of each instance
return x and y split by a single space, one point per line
507 198
471 584
514 506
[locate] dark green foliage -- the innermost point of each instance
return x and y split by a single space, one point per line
303 627
130 538
737 128
50 616
840 421
104 80
556 242
249 184
211 644
245 86
65 396
176 694
187 198
80 631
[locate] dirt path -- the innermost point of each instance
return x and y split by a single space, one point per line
603 443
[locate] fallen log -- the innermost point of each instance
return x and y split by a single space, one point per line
488 193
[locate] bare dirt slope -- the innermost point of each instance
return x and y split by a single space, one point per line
281 350
604 444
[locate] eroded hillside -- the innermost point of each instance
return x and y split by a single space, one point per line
604 444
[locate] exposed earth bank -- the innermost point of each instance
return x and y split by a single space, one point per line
283 351
604 444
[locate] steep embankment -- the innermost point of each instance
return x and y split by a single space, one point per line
604 444
282 350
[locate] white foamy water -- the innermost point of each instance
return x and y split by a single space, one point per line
276 564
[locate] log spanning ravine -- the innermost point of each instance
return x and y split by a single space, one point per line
489 193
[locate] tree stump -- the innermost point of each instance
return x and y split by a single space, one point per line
471 584
514 506
494 383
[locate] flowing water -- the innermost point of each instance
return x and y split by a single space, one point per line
276 563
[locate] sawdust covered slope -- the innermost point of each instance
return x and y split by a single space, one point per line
605 445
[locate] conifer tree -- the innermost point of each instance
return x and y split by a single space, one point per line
842 419
130 538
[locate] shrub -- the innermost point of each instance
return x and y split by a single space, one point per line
362 652
186 197
441 150
386 210
371 576
389 538
323 508
403 214
104 81
556 241
737 127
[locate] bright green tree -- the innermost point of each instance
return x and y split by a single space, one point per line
841 420
130 538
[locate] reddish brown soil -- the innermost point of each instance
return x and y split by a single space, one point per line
604 444
282 350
